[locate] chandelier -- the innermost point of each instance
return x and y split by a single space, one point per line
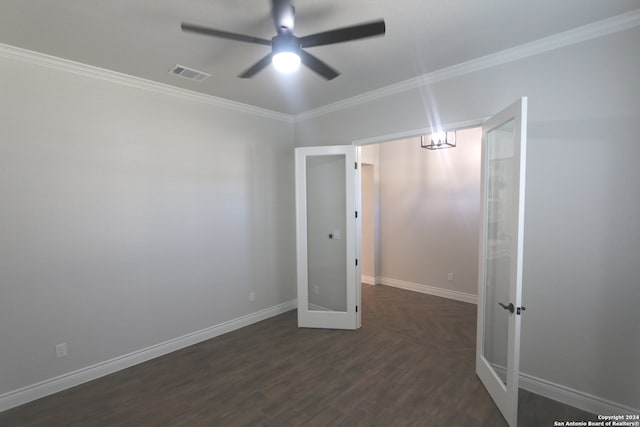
438 140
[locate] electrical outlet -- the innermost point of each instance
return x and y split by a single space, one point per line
252 296
450 277
61 349
316 290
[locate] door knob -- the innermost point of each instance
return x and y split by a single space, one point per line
509 307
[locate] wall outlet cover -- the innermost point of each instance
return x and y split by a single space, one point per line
61 349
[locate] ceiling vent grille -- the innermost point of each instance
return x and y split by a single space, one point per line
188 73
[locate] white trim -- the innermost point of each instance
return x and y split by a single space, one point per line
427 289
590 31
369 280
585 401
41 59
569 396
53 385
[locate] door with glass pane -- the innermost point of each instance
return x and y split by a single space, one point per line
500 267
327 237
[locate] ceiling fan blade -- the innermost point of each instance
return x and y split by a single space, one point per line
318 66
190 28
345 34
257 67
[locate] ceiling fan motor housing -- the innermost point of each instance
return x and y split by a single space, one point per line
285 42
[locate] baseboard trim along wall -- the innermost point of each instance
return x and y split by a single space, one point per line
560 393
369 280
427 289
569 396
44 388
585 401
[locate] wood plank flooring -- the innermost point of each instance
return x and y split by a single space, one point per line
411 364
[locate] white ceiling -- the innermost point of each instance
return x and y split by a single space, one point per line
143 38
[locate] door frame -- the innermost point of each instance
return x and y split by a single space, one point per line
476 123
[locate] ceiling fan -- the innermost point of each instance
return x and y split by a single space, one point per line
287 49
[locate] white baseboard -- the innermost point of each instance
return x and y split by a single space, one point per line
581 400
569 396
44 388
369 280
585 401
560 393
431 290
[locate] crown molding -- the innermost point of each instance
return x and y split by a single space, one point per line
41 59
577 35
594 30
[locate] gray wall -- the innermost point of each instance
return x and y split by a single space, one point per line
582 234
131 217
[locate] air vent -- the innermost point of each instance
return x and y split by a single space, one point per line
188 73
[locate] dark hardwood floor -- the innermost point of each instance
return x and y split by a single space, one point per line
411 363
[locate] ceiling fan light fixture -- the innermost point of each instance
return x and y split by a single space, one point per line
286 62
286 52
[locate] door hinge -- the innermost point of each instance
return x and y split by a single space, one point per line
355 164
356 262
356 308
356 214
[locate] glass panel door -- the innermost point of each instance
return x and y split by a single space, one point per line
326 225
500 264
498 245
326 234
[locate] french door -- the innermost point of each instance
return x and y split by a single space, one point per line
500 265
327 237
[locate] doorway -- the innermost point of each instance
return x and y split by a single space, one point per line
416 197
443 216
420 215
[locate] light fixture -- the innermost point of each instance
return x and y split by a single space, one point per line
286 62
286 52
439 140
